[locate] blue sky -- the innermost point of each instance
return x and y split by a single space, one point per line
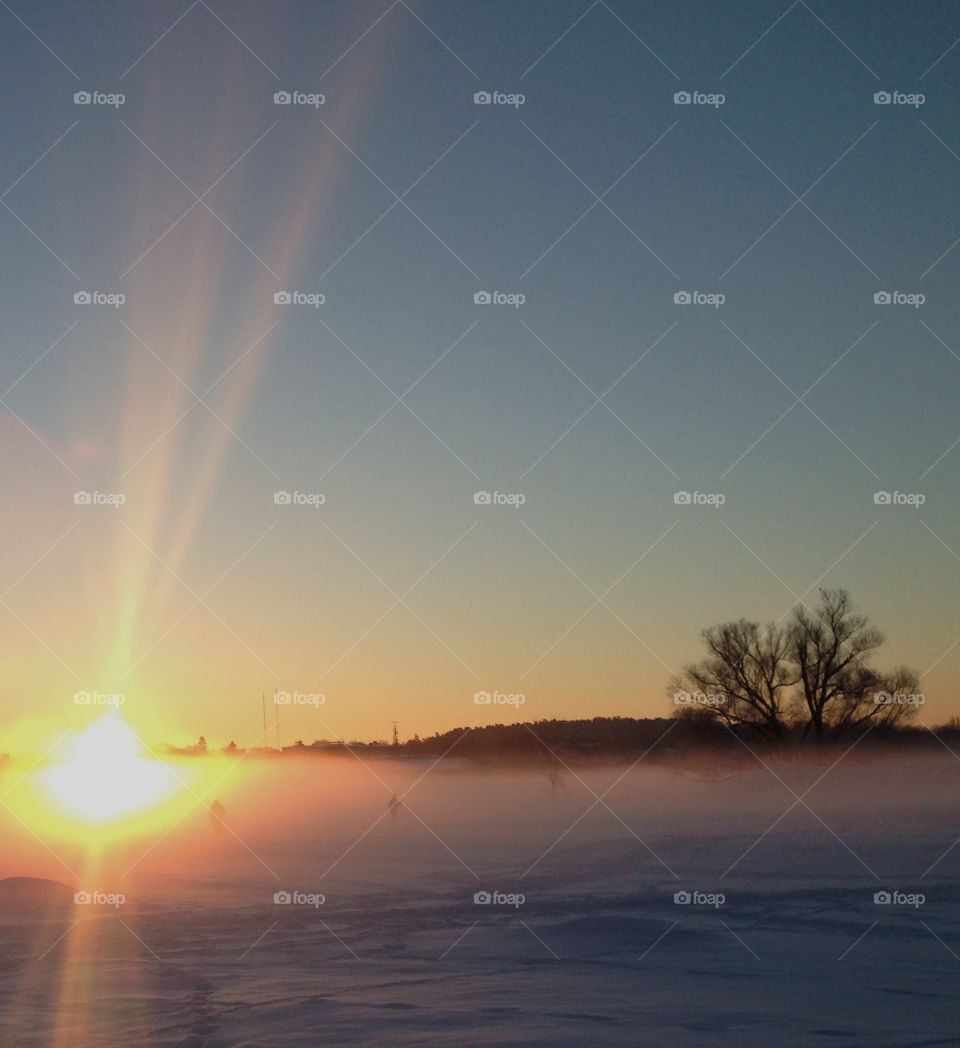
797 198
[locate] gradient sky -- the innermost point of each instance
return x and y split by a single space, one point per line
399 597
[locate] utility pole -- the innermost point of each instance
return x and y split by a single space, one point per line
396 733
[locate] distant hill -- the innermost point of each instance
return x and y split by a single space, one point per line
597 738
22 895
545 740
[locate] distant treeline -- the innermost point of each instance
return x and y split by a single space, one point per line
541 740
615 739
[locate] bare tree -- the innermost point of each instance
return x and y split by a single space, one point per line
813 674
743 681
869 697
830 648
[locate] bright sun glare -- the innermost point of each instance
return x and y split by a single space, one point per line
104 775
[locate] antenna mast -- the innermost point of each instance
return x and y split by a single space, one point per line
276 706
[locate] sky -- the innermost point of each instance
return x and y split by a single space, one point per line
586 166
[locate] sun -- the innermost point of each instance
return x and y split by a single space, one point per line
104 775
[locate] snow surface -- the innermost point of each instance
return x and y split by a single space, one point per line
598 953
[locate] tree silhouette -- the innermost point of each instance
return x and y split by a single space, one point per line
813 675
743 681
831 647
